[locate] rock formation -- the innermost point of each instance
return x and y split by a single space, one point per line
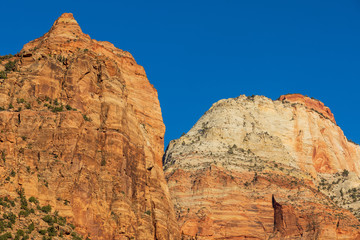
261 169
82 130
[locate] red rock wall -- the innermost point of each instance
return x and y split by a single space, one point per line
99 165
310 103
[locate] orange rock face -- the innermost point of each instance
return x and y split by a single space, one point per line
81 127
253 168
310 103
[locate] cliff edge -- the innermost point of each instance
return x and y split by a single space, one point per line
81 128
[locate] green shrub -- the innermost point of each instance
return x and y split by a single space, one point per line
51 231
48 219
20 232
61 221
75 236
31 227
58 109
3 203
24 203
42 232
5 236
2 226
3 75
20 100
86 118
68 107
11 217
24 213
10 66
33 200
6 57
26 237
46 209
103 162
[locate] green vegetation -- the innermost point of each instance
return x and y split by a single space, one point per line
46 209
6 57
10 66
103 162
33 200
48 219
68 107
6 236
57 109
20 100
27 106
3 75
86 118
18 218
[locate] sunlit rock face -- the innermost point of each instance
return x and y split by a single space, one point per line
82 128
256 168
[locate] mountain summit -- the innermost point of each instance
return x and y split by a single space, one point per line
262 169
81 131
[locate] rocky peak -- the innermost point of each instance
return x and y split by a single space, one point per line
81 130
266 169
65 35
65 38
66 24
311 103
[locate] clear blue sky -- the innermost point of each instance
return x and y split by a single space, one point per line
198 52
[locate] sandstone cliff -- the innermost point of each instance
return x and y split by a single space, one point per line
82 130
262 169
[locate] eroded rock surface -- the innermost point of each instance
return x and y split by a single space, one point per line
81 127
261 169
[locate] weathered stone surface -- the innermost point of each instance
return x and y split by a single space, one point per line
82 129
262 169
311 103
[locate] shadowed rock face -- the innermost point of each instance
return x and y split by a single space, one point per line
82 129
262 169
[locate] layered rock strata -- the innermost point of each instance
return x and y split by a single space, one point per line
260 169
81 127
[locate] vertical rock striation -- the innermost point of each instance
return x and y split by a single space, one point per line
82 128
261 169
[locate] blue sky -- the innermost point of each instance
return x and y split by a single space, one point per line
198 52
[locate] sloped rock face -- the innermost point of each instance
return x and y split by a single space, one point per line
82 129
261 169
311 103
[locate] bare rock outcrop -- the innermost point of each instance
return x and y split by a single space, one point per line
260 169
82 130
